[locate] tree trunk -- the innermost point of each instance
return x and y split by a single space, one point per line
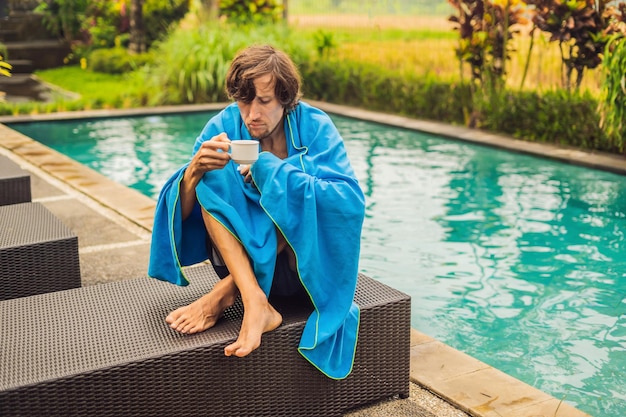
137 31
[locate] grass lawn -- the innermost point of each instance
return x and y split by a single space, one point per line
92 86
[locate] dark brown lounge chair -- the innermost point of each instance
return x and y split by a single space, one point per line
106 350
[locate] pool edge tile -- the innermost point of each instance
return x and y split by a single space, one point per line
127 202
475 387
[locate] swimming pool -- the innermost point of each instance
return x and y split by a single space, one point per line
515 260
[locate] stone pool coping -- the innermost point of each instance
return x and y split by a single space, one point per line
470 385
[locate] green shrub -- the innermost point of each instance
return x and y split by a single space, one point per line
246 12
556 117
612 101
376 88
160 15
104 20
116 60
192 64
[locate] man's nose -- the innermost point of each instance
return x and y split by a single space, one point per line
255 109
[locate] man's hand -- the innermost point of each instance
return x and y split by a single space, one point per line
244 170
213 154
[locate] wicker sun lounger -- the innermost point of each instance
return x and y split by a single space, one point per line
106 350
14 183
38 253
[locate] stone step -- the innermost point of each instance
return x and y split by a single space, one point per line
21 66
42 53
16 81
27 26
8 35
22 88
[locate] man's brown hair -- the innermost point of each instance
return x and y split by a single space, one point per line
259 60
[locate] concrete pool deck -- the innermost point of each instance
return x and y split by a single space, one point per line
114 224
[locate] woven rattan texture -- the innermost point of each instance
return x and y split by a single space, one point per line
105 350
38 253
14 183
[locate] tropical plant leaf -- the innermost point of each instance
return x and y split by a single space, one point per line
5 67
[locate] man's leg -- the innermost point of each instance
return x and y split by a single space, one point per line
258 315
203 313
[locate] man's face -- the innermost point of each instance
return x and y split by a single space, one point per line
263 114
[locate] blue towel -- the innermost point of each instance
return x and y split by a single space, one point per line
312 197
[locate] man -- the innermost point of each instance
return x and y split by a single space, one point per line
288 225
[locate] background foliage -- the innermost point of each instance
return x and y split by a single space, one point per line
246 12
387 62
92 24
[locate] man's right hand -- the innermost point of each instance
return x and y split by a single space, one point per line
213 154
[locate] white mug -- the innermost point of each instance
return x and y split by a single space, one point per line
244 152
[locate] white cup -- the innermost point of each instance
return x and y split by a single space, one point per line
244 152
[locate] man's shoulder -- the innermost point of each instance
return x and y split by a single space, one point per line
306 110
313 121
231 110
226 120
226 116
307 107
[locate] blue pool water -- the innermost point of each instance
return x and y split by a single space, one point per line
515 260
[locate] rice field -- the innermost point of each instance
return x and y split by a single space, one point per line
426 45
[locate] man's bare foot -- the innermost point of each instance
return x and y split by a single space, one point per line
203 313
257 319
192 318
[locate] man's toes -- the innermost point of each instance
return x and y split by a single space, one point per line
231 349
186 327
241 352
239 349
174 323
193 329
174 316
179 324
